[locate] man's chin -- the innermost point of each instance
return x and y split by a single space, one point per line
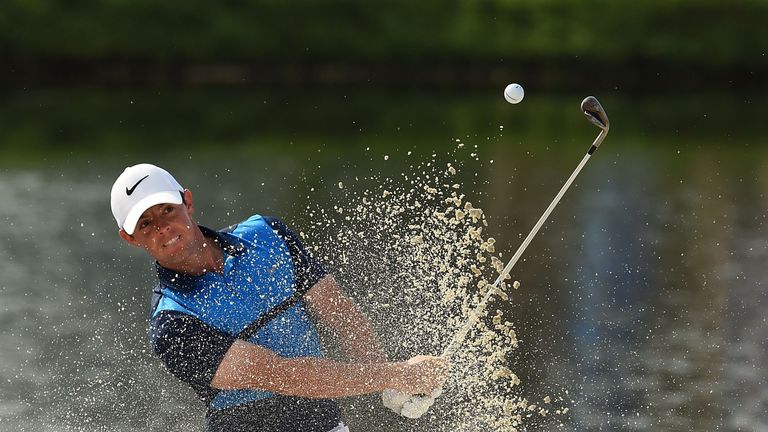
171 255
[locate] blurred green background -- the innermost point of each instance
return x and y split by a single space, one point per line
641 46
643 297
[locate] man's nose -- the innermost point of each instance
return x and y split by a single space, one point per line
161 225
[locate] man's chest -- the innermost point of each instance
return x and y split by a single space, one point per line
249 286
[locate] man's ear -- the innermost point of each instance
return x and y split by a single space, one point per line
188 203
128 238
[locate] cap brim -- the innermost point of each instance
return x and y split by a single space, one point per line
170 197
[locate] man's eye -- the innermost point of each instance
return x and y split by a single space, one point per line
143 224
168 209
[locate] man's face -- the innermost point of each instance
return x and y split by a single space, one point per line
165 231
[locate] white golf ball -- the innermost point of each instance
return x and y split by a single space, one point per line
514 93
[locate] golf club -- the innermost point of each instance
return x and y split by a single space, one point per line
415 406
594 112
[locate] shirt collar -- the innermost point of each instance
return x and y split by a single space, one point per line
230 244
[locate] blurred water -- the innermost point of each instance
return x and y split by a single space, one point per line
643 298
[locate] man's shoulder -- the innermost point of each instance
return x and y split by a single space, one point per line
256 225
169 327
161 302
167 314
248 225
250 221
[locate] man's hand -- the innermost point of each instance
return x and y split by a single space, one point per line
409 406
421 375
422 381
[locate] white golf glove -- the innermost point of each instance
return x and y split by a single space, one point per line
410 406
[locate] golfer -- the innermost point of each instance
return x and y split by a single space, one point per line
233 316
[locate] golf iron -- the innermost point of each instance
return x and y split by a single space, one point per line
415 406
595 113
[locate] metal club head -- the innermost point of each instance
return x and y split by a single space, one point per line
595 112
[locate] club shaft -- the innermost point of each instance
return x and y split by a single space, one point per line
475 314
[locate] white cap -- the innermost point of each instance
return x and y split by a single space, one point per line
140 187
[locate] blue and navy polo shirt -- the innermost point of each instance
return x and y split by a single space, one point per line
195 319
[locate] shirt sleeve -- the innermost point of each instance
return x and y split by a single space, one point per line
308 270
190 349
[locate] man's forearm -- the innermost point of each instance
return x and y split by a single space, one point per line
254 367
250 366
323 378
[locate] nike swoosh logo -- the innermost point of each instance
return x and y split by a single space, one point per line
130 191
